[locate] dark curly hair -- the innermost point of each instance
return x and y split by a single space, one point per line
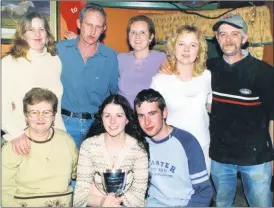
132 128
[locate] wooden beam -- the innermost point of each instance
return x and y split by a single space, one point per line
153 5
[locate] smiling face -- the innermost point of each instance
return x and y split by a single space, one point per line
40 117
91 27
114 119
230 39
36 35
151 118
139 36
186 48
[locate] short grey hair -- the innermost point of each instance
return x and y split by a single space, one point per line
92 7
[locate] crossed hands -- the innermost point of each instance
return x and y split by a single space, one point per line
111 201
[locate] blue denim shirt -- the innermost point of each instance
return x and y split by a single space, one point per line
86 85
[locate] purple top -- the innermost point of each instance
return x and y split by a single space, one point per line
136 75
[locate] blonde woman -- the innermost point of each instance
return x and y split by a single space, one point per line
31 62
187 91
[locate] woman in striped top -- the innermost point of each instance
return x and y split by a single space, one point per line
117 144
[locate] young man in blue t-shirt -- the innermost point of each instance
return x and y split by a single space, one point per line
178 175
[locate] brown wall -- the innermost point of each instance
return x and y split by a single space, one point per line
269 50
117 20
116 29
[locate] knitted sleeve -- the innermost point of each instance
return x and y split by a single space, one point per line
85 173
9 125
135 196
10 165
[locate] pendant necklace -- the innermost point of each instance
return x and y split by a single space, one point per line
116 156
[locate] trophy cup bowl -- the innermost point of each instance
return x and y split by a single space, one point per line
113 181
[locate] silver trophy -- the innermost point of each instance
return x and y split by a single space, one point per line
113 181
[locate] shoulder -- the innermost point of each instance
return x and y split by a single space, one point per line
214 61
134 146
54 59
162 77
188 141
107 51
93 141
8 155
8 59
158 54
65 43
206 73
124 56
259 64
159 79
61 134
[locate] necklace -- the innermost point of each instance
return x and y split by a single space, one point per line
115 156
42 142
137 63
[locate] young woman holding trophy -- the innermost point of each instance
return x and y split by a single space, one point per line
113 164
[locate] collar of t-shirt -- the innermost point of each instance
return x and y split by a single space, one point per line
244 52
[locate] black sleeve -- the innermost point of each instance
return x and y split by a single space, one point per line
265 84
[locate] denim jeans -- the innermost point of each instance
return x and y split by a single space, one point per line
77 128
256 183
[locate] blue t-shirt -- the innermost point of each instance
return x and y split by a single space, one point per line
178 175
86 85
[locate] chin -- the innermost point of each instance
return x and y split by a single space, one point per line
150 134
114 134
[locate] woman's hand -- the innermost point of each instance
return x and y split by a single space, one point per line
165 68
21 145
111 201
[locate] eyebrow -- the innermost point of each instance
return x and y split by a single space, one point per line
110 113
181 41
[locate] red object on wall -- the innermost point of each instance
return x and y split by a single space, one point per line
70 11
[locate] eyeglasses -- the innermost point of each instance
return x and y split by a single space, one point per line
36 114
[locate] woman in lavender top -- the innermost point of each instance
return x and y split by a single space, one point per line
139 65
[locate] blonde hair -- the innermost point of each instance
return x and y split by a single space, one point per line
20 47
200 62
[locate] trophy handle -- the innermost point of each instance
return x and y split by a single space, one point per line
104 192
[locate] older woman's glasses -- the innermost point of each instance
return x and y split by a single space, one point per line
36 114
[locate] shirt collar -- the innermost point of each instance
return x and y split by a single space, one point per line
244 52
101 48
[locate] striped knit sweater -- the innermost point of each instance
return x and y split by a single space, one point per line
94 158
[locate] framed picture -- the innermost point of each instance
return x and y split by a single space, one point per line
12 11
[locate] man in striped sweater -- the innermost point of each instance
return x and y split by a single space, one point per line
242 115
178 175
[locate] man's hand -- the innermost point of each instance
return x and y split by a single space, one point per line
165 68
70 35
111 201
21 145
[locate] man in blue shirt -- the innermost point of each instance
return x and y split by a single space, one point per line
178 175
89 72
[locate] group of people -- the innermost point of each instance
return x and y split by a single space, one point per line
168 131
